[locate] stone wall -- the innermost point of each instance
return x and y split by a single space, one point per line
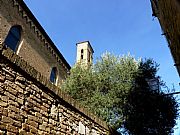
168 14
30 104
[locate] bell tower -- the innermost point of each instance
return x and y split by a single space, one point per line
84 53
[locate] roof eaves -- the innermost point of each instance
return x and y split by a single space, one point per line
35 21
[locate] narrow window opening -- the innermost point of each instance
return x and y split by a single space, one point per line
13 38
82 53
53 76
89 56
81 56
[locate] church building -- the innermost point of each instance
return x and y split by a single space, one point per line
21 32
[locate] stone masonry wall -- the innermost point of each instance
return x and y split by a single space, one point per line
30 104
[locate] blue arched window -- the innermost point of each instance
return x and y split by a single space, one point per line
53 76
13 38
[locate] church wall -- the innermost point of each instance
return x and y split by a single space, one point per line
33 47
30 104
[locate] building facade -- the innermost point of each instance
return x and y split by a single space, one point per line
168 14
21 32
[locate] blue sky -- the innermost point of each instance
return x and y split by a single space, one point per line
117 26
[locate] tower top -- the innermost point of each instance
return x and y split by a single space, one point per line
86 42
84 53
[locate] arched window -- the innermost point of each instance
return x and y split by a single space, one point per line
53 76
13 38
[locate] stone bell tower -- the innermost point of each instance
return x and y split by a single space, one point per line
84 53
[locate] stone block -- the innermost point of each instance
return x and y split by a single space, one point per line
36 98
43 108
42 127
3 104
48 129
23 113
2 78
22 132
14 57
25 127
32 101
37 109
44 100
17 124
29 133
9 77
4 98
11 96
32 72
1 44
46 105
3 125
9 71
7 120
44 119
17 62
13 109
7 53
14 103
20 89
1 90
11 128
11 90
22 85
40 132
33 118
1 110
20 95
32 123
87 131
45 95
5 112
82 129
23 64
20 79
20 101
15 116
37 114
33 130
10 133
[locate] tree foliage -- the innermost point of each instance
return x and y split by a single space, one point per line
147 110
102 87
119 89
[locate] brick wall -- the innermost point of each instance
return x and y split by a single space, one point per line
30 104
